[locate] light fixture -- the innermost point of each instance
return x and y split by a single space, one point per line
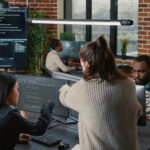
4 4
81 22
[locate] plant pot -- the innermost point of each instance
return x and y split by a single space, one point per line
123 56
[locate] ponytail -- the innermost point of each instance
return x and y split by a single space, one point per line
101 42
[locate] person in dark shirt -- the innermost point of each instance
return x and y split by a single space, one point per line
12 125
141 71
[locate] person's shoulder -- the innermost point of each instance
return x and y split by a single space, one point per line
7 108
78 83
128 82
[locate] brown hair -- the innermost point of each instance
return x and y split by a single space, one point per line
101 61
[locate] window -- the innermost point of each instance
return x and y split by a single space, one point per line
76 9
98 9
101 10
128 10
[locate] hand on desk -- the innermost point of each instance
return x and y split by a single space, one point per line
24 137
47 108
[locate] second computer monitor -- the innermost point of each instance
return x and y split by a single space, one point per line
140 94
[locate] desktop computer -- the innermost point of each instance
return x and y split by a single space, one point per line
33 91
71 77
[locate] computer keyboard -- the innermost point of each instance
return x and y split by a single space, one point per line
52 124
64 120
46 139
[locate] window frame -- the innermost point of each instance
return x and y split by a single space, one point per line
113 29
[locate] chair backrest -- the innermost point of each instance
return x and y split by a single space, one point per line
46 72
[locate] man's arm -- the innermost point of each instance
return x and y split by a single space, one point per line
61 65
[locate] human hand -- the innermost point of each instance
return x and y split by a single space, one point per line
24 137
47 108
148 116
64 86
74 68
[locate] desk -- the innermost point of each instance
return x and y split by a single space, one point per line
67 133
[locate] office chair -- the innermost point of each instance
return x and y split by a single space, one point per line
46 72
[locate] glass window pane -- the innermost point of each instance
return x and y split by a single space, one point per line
76 9
128 9
100 10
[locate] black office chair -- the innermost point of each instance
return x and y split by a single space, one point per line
46 72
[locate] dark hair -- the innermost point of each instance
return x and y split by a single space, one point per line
125 69
101 61
55 43
144 58
7 82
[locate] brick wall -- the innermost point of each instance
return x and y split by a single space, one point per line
144 27
48 7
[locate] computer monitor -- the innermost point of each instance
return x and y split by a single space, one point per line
35 90
140 93
13 37
71 77
71 49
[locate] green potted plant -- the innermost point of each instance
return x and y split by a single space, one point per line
38 45
124 45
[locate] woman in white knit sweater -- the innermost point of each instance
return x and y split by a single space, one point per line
106 101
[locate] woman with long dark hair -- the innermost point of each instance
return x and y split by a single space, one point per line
106 101
12 125
53 61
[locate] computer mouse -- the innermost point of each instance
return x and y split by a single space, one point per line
63 145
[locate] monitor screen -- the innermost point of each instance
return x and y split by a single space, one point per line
140 93
35 90
13 23
71 49
71 78
13 37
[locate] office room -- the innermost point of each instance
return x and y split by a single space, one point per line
75 74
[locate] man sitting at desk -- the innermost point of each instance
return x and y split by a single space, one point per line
53 61
141 70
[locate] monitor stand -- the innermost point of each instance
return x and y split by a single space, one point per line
64 120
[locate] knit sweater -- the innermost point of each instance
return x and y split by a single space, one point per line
54 63
108 114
